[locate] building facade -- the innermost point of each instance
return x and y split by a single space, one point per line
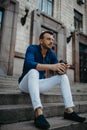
21 22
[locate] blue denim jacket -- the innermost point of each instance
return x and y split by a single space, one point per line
33 56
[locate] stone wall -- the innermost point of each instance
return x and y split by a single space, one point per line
23 32
67 17
63 11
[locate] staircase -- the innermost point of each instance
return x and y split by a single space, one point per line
16 112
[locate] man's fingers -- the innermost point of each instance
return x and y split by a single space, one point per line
60 70
62 66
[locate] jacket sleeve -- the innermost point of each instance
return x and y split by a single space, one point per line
54 58
30 58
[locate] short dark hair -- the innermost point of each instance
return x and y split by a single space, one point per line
42 34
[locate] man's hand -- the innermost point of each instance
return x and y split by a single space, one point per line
60 67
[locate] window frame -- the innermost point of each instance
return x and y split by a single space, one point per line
1 10
78 19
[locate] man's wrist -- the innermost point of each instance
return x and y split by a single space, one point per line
50 67
44 67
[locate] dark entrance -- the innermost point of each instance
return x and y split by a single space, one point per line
83 62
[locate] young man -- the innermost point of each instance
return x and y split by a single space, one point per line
38 59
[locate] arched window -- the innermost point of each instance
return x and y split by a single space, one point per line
46 6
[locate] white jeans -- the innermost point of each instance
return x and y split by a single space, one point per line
33 85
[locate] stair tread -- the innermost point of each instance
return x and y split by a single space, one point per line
45 93
44 104
14 89
9 87
57 123
16 97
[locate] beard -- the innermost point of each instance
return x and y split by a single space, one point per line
47 46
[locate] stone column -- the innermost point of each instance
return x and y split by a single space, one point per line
8 37
61 44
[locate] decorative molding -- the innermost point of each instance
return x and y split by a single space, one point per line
19 55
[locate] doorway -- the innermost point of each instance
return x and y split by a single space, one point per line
83 62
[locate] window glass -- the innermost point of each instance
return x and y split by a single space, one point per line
46 6
0 18
78 20
49 8
39 4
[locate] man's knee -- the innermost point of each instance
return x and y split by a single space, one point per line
64 76
33 73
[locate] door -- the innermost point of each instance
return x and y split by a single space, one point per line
83 62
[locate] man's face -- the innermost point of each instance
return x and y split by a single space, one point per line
47 41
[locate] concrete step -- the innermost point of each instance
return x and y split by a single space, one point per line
10 83
14 79
23 98
57 123
7 98
13 86
75 88
16 113
6 77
